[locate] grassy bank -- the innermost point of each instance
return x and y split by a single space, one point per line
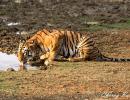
103 26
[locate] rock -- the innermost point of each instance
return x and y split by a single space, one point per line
10 69
93 23
43 68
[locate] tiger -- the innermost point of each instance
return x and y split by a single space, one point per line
63 45
28 49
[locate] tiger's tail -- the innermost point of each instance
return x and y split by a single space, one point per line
110 59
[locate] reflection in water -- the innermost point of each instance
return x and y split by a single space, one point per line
11 61
8 61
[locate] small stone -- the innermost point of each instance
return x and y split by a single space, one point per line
49 24
10 69
43 68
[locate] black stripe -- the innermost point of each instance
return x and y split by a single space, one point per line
71 41
122 59
73 37
90 43
116 59
74 42
45 32
77 38
40 36
67 45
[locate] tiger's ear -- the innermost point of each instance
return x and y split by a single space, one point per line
34 42
28 37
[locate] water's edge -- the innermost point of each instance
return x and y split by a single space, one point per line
11 61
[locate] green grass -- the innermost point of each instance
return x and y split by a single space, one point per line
105 26
125 25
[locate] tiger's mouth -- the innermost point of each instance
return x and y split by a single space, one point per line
27 56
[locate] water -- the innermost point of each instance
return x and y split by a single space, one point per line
8 61
11 61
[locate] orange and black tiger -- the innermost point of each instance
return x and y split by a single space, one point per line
62 45
28 49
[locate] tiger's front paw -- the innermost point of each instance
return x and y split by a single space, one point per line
70 59
22 67
46 62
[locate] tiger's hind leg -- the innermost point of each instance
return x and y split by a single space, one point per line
83 54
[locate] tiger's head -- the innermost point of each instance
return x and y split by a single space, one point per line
27 51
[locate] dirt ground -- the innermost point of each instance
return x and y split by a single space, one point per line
69 81
65 80
70 14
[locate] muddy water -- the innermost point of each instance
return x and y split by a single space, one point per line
11 61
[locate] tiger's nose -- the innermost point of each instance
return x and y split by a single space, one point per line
30 59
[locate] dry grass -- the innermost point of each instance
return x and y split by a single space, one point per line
91 80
